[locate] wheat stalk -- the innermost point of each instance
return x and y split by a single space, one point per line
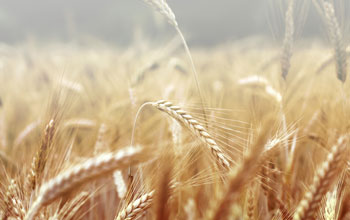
82 173
137 206
193 125
322 182
336 38
162 7
287 48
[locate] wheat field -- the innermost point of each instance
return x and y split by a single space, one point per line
242 130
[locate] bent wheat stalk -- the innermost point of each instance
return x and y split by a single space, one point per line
82 173
323 180
137 206
163 8
193 125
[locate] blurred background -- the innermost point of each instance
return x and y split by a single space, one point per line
119 22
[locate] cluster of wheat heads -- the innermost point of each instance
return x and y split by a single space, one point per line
257 151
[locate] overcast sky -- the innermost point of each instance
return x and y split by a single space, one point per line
204 22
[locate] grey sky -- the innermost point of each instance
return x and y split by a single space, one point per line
115 21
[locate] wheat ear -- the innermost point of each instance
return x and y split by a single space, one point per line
13 204
137 206
193 125
120 184
336 38
25 133
287 48
322 182
82 173
261 82
329 60
239 177
79 123
39 160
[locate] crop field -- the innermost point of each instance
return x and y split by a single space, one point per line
244 130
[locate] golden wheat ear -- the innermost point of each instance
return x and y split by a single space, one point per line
197 129
92 169
40 159
136 207
13 204
323 180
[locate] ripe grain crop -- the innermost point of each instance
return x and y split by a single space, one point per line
256 132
